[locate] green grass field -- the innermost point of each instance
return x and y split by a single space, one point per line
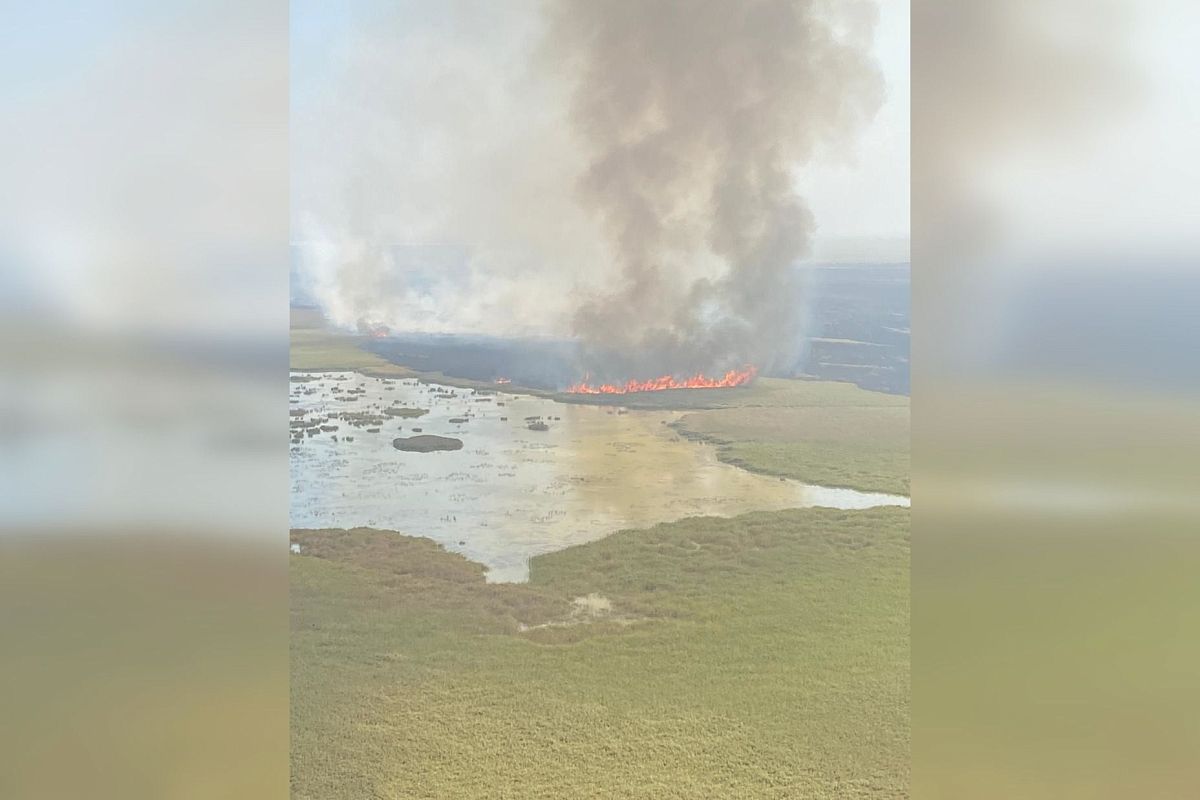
760 656
832 434
315 350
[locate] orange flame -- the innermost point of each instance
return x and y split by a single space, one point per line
734 377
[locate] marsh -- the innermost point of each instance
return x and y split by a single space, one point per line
512 492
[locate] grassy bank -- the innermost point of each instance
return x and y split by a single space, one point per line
316 350
832 434
760 656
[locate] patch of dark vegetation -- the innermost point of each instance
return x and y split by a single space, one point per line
361 419
405 412
426 443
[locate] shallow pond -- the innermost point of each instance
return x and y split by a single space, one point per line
511 492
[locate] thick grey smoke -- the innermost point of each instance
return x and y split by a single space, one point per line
695 117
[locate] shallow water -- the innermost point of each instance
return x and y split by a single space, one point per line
512 493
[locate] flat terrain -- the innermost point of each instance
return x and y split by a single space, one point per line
824 432
832 434
760 656
764 655
315 350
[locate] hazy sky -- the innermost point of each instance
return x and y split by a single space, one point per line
868 197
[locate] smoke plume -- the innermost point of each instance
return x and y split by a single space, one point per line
622 172
695 117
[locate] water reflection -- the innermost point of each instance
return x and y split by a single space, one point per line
511 492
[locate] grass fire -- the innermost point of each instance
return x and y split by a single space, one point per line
730 379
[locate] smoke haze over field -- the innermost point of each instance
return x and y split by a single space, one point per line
624 173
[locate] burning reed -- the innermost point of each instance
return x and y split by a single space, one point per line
698 381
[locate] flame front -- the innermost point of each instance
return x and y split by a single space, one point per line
735 377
